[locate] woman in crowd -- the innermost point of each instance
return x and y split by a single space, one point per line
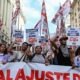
3 54
12 55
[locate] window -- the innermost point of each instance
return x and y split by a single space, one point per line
72 18
3 30
2 36
78 2
6 13
75 20
75 14
79 16
78 8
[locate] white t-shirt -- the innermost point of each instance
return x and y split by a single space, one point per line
1 57
77 61
22 57
38 59
18 54
13 57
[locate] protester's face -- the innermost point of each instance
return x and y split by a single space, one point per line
38 50
3 48
63 42
24 47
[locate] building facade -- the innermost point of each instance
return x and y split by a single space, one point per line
7 7
5 16
20 21
75 13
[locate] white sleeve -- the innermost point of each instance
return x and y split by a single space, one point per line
50 53
75 61
17 54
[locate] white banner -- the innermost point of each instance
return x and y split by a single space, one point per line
18 36
36 71
32 35
73 36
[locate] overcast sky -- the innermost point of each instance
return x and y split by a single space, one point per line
32 12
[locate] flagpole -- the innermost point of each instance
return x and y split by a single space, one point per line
18 22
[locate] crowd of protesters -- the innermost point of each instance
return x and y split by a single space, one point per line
56 55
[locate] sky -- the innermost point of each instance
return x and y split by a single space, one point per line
32 12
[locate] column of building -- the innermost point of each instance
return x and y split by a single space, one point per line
75 13
5 15
6 9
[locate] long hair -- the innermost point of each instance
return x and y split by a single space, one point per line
77 51
5 51
54 47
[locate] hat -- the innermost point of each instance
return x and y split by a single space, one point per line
25 43
64 37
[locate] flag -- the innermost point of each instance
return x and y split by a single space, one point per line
18 3
57 29
14 17
44 22
66 7
62 27
17 11
57 15
38 26
54 19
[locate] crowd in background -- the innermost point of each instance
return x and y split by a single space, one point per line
55 55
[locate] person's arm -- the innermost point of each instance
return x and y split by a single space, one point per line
72 56
47 62
75 64
75 61
12 44
28 52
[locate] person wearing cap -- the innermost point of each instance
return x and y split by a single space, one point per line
63 54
